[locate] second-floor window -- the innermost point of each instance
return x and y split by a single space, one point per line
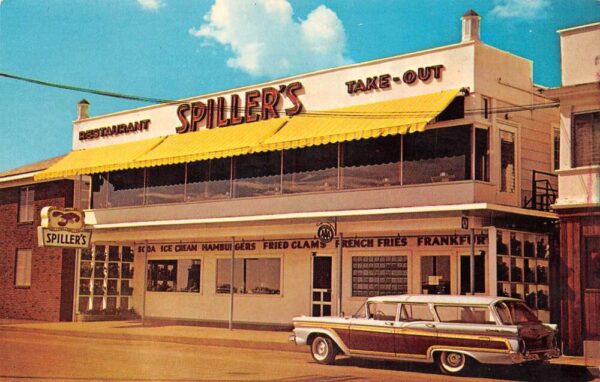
26 206
23 268
586 139
507 161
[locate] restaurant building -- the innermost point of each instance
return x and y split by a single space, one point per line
578 204
417 173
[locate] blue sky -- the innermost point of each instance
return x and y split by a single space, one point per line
180 48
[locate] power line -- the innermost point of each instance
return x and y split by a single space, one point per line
333 113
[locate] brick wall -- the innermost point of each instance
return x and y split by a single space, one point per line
52 275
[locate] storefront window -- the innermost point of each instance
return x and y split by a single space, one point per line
482 155
438 155
586 139
371 162
310 169
126 188
165 184
251 276
507 161
181 275
258 174
209 179
379 275
465 273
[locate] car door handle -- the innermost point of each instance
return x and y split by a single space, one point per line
430 325
388 323
493 330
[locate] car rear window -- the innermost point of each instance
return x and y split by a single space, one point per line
465 314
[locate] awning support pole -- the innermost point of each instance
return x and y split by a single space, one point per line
231 283
340 269
145 286
472 262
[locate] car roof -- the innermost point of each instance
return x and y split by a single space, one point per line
441 299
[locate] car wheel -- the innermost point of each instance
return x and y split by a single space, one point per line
453 363
323 350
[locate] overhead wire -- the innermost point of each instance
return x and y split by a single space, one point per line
307 113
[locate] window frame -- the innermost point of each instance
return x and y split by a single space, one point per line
17 282
191 257
244 257
574 139
510 130
29 205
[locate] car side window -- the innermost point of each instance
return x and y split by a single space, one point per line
415 312
465 314
383 311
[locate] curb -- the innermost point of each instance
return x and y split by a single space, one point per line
173 339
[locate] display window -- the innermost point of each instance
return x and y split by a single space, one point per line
251 276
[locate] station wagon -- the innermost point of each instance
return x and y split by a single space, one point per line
452 331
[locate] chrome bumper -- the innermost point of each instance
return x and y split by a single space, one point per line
297 340
535 356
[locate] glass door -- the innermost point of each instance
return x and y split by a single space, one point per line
321 286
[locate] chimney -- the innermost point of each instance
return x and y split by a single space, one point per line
82 109
470 26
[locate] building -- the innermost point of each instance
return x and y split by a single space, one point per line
35 283
578 204
419 173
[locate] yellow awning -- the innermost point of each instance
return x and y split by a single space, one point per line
99 159
401 116
210 144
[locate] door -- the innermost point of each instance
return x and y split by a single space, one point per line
416 331
591 291
435 274
375 333
321 295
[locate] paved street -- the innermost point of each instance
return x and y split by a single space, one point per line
38 356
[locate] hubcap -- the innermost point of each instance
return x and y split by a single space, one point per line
320 349
454 359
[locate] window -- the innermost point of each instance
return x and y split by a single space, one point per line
586 139
371 162
209 179
383 311
310 169
165 184
181 275
23 268
486 107
26 206
437 155
415 312
507 161
379 275
251 276
99 190
514 313
126 188
465 273
482 155
258 174
465 314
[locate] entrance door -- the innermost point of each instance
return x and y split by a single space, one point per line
321 286
591 291
435 274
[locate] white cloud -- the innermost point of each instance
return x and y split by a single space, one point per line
266 41
151 5
524 9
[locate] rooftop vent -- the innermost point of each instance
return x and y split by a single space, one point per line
470 26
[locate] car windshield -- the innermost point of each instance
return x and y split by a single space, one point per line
515 313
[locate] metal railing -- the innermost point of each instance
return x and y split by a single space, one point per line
543 194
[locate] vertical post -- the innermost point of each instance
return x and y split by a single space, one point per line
231 283
492 262
76 283
145 286
472 262
340 269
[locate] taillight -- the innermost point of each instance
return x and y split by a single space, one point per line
551 342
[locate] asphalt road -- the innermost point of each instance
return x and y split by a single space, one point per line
39 357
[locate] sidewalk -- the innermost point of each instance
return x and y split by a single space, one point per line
197 335
136 330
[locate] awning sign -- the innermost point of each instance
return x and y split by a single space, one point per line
63 228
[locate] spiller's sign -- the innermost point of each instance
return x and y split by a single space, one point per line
63 228
255 105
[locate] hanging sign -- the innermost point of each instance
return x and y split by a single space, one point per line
63 228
